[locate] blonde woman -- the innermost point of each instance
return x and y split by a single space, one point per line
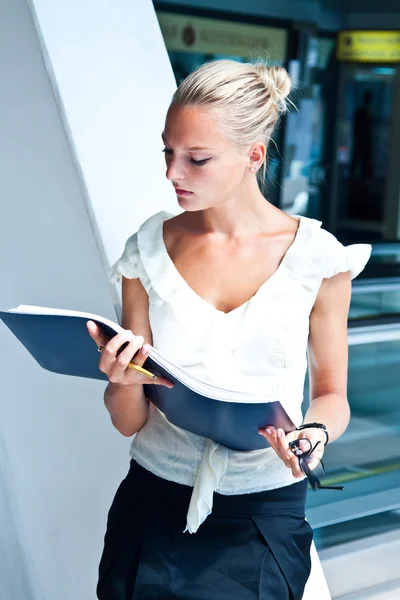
236 292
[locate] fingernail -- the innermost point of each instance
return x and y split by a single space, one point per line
269 431
144 349
279 433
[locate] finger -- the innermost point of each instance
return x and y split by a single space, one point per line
283 447
126 355
142 355
315 458
140 351
114 345
292 435
97 334
141 358
271 435
163 381
285 454
288 457
295 467
109 354
275 438
269 432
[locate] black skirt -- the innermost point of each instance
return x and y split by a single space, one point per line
252 546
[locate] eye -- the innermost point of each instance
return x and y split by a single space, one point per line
199 163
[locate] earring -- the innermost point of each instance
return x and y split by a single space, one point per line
253 168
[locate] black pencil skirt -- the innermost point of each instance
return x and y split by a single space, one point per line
252 546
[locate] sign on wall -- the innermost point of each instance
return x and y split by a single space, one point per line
185 33
368 46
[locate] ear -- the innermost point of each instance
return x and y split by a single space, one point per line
257 154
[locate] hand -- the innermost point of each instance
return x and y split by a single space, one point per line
280 443
115 365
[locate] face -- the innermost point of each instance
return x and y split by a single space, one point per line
205 168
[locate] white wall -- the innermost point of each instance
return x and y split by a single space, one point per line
79 136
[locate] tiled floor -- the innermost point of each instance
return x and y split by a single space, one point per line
368 568
393 595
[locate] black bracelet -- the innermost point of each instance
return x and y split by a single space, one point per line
315 426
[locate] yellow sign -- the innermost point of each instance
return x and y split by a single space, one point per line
184 33
369 46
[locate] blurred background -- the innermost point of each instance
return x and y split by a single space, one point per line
336 159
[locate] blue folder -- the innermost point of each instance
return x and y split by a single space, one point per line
61 343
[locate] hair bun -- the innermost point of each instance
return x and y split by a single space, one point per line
278 83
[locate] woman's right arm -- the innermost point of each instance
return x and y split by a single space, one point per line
124 396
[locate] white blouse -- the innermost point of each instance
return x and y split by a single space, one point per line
259 346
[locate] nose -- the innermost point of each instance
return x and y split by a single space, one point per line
175 170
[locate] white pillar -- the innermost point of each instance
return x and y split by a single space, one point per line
84 89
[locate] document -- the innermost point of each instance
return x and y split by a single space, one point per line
59 341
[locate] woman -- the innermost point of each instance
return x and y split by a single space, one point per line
235 291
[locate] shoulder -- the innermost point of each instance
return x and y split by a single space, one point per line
138 245
153 223
331 256
128 265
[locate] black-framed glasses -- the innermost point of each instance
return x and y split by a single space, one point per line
304 449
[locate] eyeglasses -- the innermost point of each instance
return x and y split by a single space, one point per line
303 449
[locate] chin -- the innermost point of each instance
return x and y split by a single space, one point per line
187 204
191 205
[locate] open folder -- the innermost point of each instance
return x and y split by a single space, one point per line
59 341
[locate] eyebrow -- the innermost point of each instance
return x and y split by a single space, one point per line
194 148
198 148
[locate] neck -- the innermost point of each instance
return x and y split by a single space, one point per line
246 213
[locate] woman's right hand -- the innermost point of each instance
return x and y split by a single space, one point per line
115 365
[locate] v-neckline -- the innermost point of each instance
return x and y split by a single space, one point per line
199 299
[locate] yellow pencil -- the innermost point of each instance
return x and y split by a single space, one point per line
141 370
134 367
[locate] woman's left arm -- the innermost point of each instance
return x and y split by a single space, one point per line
328 356
327 361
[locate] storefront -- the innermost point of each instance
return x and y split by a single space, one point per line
296 175
198 36
366 180
191 40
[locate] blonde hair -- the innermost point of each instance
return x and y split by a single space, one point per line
249 99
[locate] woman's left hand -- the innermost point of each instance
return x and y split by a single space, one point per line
280 443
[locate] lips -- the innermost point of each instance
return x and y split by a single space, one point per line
180 192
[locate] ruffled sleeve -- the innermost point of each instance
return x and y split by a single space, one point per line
337 258
129 264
